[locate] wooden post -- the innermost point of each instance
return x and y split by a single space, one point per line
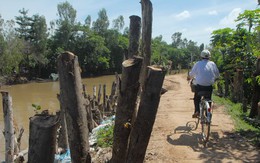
94 97
113 89
104 100
42 138
147 17
94 91
117 83
128 90
84 90
99 94
63 133
143 125
73 101
134 36
8 127
90 120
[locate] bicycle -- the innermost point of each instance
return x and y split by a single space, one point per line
205 115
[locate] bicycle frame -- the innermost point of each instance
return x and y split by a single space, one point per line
205 107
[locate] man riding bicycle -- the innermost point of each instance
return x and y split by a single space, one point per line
204 73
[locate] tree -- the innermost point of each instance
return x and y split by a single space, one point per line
176 39
88 21
118 24
249 18
159 51
24 22
102 22
38 40
11 48
66 25
118 46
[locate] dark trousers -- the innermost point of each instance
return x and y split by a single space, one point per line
197 98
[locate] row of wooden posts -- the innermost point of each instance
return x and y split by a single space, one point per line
46 127
139 91
13 134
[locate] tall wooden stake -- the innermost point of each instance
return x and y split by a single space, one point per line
42 138
128 90
142 128
73 100
134 36
147 17
9 128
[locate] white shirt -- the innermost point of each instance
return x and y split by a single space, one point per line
205 72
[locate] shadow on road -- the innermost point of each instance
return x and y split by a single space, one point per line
219 148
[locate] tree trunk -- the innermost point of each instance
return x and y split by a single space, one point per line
143 125
256 93
128 90
227 83
255 100
42 138
9 128
238 93
134 36
146 38
73 101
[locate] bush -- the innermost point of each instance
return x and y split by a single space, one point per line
105 136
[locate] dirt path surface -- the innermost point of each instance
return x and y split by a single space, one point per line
172 141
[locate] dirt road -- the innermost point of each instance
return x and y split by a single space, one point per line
172 141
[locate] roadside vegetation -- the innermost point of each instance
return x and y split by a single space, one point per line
243 126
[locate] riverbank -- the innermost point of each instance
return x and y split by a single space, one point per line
171 140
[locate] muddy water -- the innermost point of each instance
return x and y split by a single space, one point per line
43 94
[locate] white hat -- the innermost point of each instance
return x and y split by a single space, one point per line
205 54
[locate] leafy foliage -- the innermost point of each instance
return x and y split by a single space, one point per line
105 136
36 108
238 49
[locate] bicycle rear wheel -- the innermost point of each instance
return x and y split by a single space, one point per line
205 127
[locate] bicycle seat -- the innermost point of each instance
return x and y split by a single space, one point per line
204 93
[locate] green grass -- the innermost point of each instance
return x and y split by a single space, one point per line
242 127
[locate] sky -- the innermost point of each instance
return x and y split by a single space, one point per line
195 19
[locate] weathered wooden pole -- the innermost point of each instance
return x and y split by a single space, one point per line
142 128
147 17
8 127
134 36
73 101
128 90
88 108
42 138
63 133
99 94
104 100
